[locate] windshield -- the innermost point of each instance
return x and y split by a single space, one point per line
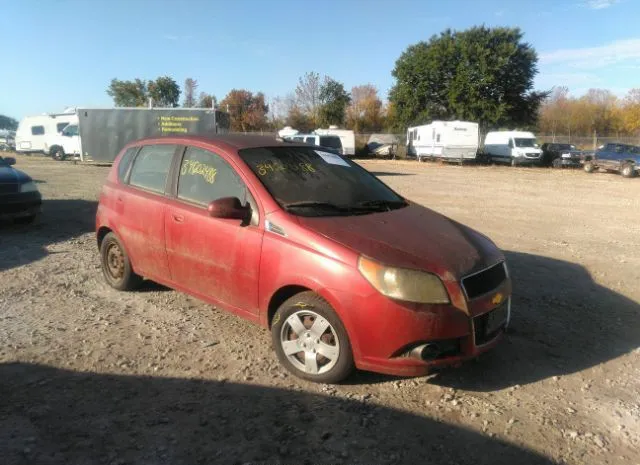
331 142
310 182
565 147
525 142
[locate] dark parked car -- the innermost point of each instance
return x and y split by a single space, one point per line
20 199
304 242
621 158
560 155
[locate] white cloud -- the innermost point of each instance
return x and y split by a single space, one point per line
621 51
600 4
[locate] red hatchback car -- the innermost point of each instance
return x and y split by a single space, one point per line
344 271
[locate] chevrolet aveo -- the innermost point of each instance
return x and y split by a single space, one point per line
343 271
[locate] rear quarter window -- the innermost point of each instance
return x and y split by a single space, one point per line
125 162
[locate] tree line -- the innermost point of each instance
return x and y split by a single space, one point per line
480 74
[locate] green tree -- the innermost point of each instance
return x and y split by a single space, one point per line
190 86
128 93
6 122
333 103
481 74
164 91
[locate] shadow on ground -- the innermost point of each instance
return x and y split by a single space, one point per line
562 322
54 416
61 220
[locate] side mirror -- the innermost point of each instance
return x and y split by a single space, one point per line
228 208
10 160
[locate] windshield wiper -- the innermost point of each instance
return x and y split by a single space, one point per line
314 204
386 204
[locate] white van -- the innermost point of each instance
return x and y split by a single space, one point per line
33 130
514 147
451 140
347 138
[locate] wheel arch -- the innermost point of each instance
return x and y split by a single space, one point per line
102 232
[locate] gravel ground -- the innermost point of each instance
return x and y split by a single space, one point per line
90 375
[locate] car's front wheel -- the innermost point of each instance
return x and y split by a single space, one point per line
57 153
557 163
310 340
116 266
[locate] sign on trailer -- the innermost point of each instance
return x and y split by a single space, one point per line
104 132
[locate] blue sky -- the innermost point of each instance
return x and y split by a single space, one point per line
61 53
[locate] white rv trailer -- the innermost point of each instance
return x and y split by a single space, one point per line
347 137
33 131
449 140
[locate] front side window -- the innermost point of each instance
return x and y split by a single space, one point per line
205 177
310 182
61 126
70 130
37 130
151 167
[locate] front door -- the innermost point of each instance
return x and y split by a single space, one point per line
71 140
215 258
141 204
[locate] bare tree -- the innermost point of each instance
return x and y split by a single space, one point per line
308 95
190 87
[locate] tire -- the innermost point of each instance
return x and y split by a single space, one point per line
557 163
321 355
57 153
628 170
116 266
589 167
514 163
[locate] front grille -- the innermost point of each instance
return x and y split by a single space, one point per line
484 281
9 188
532 155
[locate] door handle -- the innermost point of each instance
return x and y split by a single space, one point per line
178 218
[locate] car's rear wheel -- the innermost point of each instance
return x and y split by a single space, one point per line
116 266
310 340
589 167
628 170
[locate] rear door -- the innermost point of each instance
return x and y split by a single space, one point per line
215 258
142 204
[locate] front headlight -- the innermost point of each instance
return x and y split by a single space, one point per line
404 284
28 187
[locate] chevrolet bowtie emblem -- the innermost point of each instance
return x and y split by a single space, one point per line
497 299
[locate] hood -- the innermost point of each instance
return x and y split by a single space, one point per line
411 237
8 175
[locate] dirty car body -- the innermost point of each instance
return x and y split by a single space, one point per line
412 288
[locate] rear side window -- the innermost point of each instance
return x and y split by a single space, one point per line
61 126
205 177
125 161
37 130
331 142
151 167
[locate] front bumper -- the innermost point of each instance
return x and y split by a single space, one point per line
389 332
20 205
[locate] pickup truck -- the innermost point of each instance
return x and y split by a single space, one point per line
560 155
620 158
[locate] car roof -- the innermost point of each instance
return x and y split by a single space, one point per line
231 141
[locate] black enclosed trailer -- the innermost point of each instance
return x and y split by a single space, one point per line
104 132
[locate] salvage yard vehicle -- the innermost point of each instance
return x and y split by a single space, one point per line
513 147
33 131
620 158
304 242
445 140
329 142
20 199
560 155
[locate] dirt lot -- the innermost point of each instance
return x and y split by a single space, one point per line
90 375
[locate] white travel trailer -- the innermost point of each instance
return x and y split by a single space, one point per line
513 147
33 130
347 137
449 140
